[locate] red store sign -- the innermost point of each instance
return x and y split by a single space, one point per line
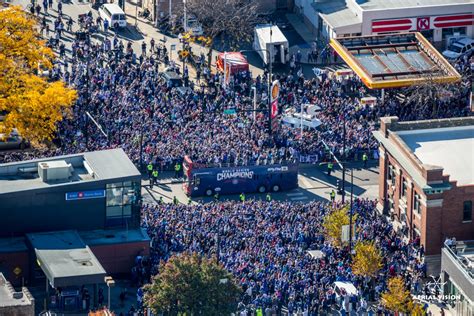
422 23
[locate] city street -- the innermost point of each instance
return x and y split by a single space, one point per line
120 130
313 181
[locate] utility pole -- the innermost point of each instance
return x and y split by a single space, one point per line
185 17
343 157
254 92
270 53
350 212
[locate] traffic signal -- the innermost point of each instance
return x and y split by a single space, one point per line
339 187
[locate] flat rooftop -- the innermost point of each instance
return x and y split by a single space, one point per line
7 298
113 236
337 14
451 148
65 259
87 167
395 60
463 252
396 4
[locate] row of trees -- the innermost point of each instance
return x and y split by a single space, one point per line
29 102
367 262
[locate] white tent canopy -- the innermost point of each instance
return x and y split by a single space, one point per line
270 37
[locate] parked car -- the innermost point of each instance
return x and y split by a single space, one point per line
194 26
172 79
14 141
458 49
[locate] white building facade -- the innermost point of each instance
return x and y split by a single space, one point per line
438 20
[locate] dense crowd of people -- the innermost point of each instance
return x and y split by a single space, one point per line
138 109
265 244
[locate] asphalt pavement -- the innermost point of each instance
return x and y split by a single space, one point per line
313 184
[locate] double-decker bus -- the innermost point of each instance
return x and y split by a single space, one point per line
201 180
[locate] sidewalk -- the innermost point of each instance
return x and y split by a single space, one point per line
149 31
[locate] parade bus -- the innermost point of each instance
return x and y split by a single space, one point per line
200 179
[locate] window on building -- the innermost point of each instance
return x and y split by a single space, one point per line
417 203
450 31
391 174
404 187
119 199
467 211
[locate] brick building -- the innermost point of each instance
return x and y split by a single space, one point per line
426 179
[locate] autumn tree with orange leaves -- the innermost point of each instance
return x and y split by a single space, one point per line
29 103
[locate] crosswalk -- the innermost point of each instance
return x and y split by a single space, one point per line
296 196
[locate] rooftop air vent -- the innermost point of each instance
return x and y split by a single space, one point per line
54 170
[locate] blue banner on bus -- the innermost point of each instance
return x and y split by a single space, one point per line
84 195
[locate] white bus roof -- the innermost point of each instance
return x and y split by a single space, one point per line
113 8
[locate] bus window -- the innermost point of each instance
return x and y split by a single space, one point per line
196 181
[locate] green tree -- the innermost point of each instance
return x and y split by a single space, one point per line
193 285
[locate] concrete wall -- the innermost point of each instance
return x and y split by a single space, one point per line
120 258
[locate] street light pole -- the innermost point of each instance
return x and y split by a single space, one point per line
141 148
343 157
301 121
254 92
185 17
136 13
350 212
270 64
110 283
269 84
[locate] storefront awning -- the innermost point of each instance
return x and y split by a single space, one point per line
65 259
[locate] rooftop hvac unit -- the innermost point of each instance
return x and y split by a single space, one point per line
54 170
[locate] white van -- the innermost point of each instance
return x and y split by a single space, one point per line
114 14
193 25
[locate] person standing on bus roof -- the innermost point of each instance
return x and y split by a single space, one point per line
216 197
330 166
177 169
268 197
242 197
